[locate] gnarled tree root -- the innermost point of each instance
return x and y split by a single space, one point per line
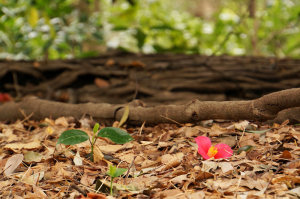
276 106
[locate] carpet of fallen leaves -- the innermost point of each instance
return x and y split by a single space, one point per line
162 161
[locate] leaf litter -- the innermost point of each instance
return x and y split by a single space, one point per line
161 162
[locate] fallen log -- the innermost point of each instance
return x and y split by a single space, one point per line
264 108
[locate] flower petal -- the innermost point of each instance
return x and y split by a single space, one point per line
204 144
224 151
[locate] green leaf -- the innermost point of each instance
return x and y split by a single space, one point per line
71 137
119 172
141 37
116 135
124 116
259 132
115 172
96 128
111 171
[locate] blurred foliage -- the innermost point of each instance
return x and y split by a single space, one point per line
52 29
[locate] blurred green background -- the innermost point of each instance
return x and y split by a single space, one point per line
57 29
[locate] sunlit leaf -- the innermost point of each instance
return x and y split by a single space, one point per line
77 159
32 156
124 116
71 137
33 16
116 135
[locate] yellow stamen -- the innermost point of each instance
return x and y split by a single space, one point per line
212 151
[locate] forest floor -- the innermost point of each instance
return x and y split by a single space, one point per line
162 161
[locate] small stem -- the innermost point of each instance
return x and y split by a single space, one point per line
94 138
111 185
92 153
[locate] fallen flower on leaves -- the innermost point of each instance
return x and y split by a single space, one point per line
207 151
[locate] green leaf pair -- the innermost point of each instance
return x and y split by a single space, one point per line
74 136
115 171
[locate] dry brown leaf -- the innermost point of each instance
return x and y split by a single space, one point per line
156 167
179 179
8 135
286 155
40 193
148 163
101 83
110 62
171 160
93 196
170 194
113 148
18 146
32 156
5 184
294 164
221 184
98 155
61 121
254 154
196 195
77 159
209 165
255 183
225 166
142 182
288 180
127 157
110 148
33 178
87 179
49 121
295 192
12 163
189 131
216 130
248 139
229 140
241 125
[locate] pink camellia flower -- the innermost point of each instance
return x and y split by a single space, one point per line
207 151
